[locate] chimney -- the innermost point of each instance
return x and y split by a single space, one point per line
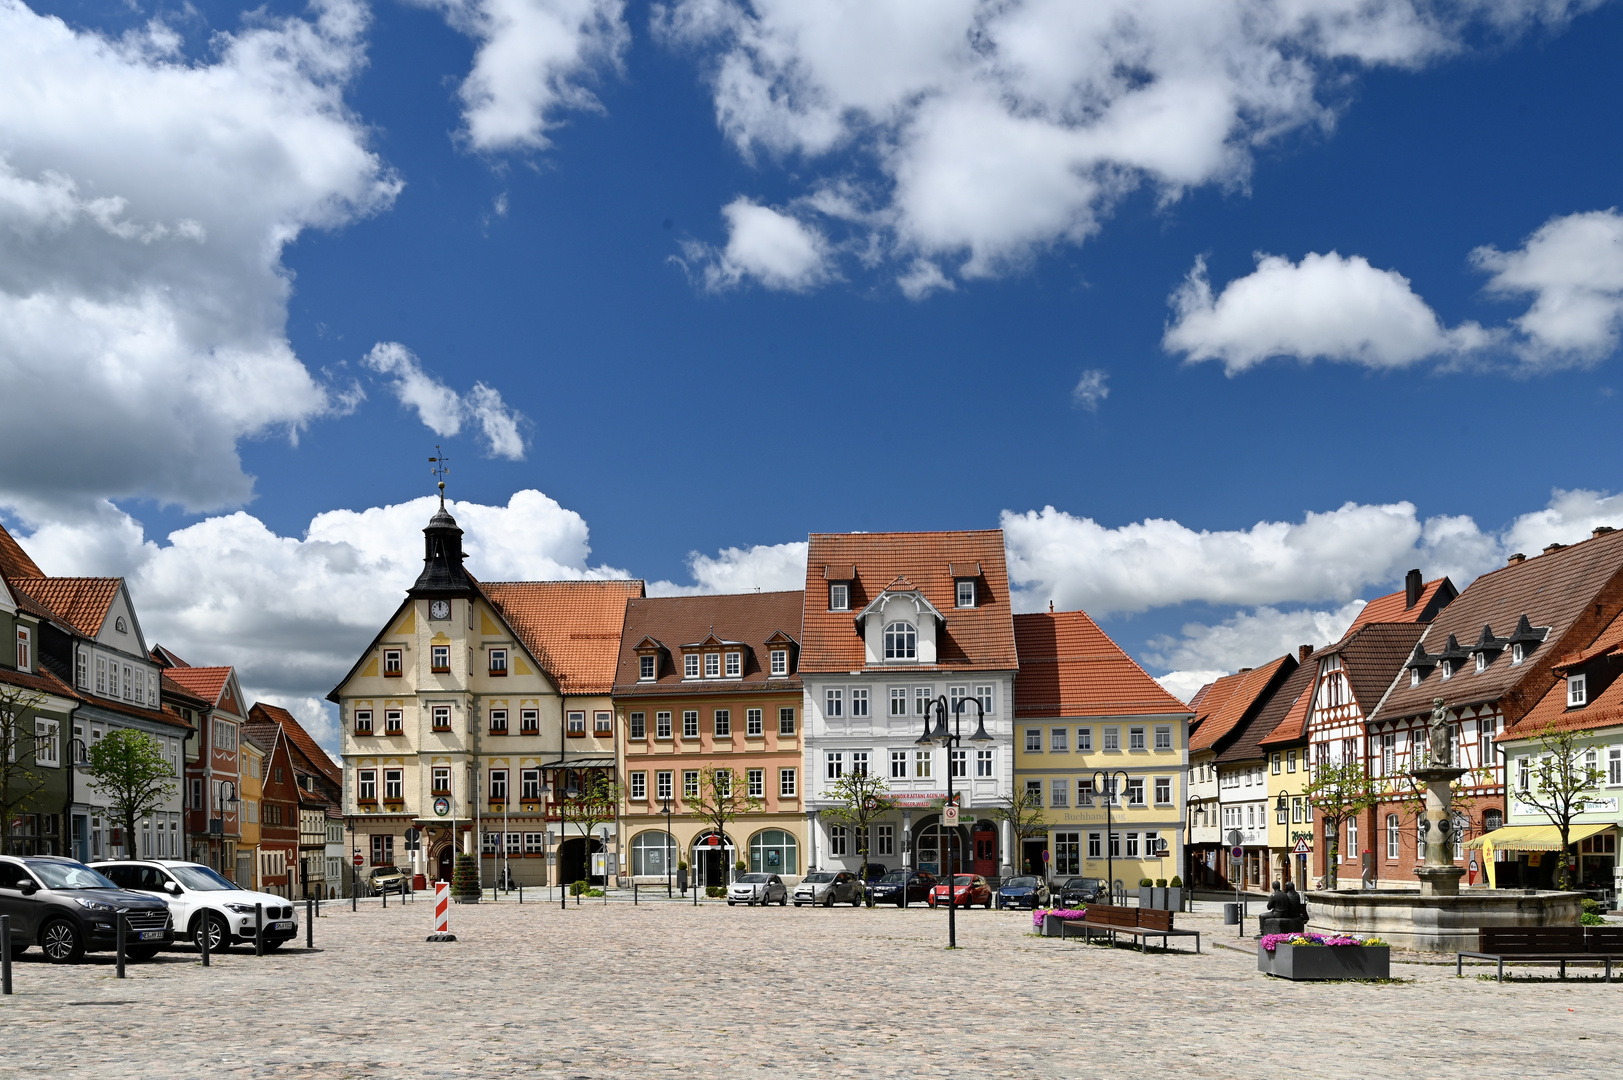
1599 531
1516 558
1553 547
1242 671
1303 652
1413 586
1051 607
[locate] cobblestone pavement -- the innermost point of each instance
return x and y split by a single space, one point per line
667 990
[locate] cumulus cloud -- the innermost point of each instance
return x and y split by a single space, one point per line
1325 307
1183 685
1248 638
764 245
145 200
1001 128
441 409
534 61
1091 389
761 568
1573 268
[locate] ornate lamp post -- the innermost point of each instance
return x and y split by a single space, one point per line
1109 788
951 739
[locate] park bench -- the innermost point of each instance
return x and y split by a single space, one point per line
1141 923
1560 945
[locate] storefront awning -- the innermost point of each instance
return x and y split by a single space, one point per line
1534 837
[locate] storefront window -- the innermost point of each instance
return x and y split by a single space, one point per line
773 851
652 855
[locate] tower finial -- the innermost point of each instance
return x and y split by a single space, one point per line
441 469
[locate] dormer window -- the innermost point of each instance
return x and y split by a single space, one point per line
735 665
1481 662
1516 654
25 649
712 665
839 596
1577 691
965 594
646 668
690 666
1446 668
1414 676
901 641
780 661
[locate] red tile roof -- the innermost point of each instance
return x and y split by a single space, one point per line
1070 667
1605 708
14 561
1393 607
203 682
1293 728
673 621
171 692
572 628
1280 701
978 638
1240 701
45 682
298 737
81 602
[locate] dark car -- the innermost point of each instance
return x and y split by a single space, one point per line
890 888
1023 892
68 909
1077 892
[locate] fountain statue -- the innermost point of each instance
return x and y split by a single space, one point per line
1439 876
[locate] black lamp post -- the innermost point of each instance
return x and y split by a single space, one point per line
78 759
670 846
1110 790
1197 808
942 737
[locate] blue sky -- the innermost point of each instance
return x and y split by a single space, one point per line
680 379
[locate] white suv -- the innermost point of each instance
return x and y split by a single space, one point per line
201 899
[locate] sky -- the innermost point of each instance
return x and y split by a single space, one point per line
1229 314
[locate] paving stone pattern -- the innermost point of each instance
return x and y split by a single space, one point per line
667 990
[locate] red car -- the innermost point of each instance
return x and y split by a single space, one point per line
967 891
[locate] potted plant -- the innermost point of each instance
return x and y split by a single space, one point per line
1146 892
682 877
1046 921
1305 956
1175 894
465 880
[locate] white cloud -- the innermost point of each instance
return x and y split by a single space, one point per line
1091 389
923 278
1569 518
441 409
1000 128
145 200
761 568
1183 685
533 61
1250 638
1325 307
765 245
1573 268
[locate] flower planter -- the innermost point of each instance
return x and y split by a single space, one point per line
1146 896
1307 962
1052 925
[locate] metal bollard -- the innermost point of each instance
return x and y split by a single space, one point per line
309 924
259 929
120 946
633 894
5 954
203 937
354 892
521 895
385 893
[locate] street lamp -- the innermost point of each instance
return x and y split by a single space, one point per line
1197 808
1109 787
78 761
605 835
942 737
670 846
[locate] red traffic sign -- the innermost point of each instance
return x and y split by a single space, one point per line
1045 856
1301 846
1238 853
357 860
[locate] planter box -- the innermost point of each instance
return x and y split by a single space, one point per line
1051 925
1304 962
1146 897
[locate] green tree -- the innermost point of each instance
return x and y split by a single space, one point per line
1339 790
1561 779
722 800
861 800
593 804
20 781
130 771
1023 810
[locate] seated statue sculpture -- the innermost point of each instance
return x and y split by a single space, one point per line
1286 912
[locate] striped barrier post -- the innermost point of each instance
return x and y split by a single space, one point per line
442 913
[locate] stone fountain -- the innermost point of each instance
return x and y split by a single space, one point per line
1438 917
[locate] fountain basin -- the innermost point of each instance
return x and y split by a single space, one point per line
1409 920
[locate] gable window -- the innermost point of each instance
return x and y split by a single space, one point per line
639 726
442 717
367 785
839 597
498 662
735 665
576 724
363 721
712 665
724 722
529 721
690 724
602 724
833 703
966 594
440 657
901 641
690 666
754 728
394 785
391 663
24 649
1577 690
645 668
859 702
662 725
498 721
780 661
786 720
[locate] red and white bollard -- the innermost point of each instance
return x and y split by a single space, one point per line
442 913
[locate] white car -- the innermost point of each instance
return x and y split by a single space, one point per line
757 889
202 901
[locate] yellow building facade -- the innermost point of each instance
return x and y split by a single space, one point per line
250 790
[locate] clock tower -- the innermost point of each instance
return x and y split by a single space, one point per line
443 577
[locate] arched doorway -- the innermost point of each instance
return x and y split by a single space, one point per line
941 851
774 851
713 855
444 861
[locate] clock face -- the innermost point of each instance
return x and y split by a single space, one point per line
439 609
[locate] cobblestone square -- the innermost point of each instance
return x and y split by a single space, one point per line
665 989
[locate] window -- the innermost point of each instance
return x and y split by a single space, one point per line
1516 653
101 675
774 851
959 763
690 723
723 722
753 726
1414 676
1059 796
603 724
639 786
722 780
786 783
24 649
394 785
662 785
498 785
1135 792
1084 739
955 694
833 765
1034 740
983 764
639 726
712 665
1112 738
983 694
898 764
534 844
833 703
662 725
1351 854
1577 689
530 785
1084 793
780 662
1524 773
1290 761
690 783
391 663
839 597
1446 668
1096 845
757 783
1135 738
965 594
1282 813
1392 836
382 850
112 680
901 641
735 665
690 666
1132 845
859 702
1296 810
498 662
363 721
923 763
1058 740
391 722
81 669
1034 793
366 785
884 840
786 720
1163 791
921 701
1492 819
439 657
1067 853
1614 766
1163 741
442 780
1481 659
859 763
498 721
646 667
1485 753
489 843
576 723
898 701
442 717
836 840
653 855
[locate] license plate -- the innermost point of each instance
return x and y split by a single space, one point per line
281 926
152 935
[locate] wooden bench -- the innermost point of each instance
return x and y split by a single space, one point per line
1141 923
1560 945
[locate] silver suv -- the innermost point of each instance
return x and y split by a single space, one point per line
829 887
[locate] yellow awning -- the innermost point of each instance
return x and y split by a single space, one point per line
1535 837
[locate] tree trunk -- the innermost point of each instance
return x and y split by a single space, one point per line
1332 852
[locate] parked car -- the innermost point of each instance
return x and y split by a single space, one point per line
966 890
204 902
387 879
829 887
1023 892
875 871
68 909
891 888
1077 892
757 889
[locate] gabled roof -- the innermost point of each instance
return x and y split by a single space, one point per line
1284 719
14 561
572 628
1278 700
1605 708
298 739
978 638
1200 696
1394 607
1241 700
44 682
168 659
1070 667
1373 656
752 619
171 692
81 602
207 683
1558 590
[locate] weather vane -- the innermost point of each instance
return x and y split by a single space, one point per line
440 469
